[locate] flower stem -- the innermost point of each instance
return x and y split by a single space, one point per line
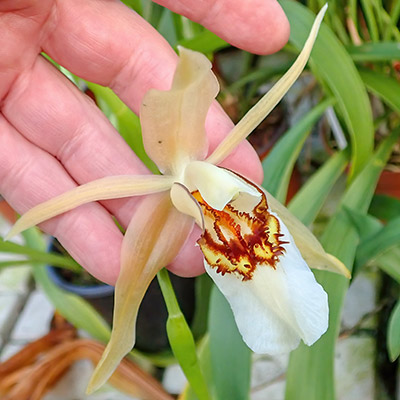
181 339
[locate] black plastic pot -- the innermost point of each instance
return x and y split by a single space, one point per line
100 296
150 327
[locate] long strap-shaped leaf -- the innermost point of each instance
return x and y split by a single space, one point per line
340 238
277 173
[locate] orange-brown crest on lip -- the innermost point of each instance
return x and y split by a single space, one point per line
238 242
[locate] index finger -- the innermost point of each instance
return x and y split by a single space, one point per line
258 26
104 42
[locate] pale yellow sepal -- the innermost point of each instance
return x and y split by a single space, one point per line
152 240
309 246
173 122
110 187
254 117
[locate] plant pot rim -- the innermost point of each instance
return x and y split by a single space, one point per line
85 291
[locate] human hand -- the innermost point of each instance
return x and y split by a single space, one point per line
52 137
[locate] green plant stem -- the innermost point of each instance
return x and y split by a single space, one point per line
168 293
181 339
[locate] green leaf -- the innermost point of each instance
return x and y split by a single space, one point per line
260 75
309 199
388 262
316 380
370 17
203 288
367 226
168 28
334 66
394 17
230 357
383 86
393 334
384 207
178 26
76 310
14 263
373 52
38 256
381 241
153 13
135 5
278 165
205 42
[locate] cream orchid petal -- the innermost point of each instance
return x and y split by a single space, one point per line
173 122
184 202
110 187
309 246
216 185
278 306
256 114
152 240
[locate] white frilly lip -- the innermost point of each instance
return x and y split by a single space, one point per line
277 307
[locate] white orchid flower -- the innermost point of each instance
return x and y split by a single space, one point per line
254 249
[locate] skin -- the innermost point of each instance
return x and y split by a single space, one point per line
53 137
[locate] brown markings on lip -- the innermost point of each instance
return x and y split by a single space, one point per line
238 242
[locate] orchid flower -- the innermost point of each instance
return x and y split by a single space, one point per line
257 253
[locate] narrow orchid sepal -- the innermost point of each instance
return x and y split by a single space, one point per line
267 103
109 187
309 246
152 240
